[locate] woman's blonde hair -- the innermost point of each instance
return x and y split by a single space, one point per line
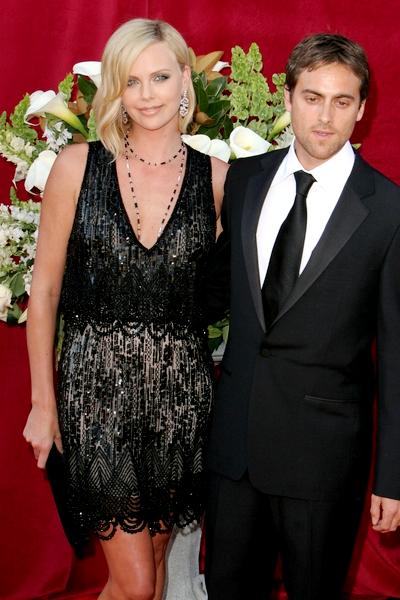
121 50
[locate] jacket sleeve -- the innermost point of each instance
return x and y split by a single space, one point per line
387 475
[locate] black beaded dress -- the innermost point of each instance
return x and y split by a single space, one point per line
135 390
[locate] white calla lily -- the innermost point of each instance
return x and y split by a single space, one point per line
281 123
204 144
38 100
220 149
199 142
39 170
245 142
53 104
89 68
220 65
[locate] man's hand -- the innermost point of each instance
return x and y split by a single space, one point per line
385 514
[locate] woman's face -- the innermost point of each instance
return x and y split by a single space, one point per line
154 88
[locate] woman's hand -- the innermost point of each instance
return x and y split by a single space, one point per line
41 430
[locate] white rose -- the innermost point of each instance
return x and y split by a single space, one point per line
17 143
21 168
16 234
245 142
3 238
29 148
5 301
39 170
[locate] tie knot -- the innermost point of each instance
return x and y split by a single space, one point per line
303 182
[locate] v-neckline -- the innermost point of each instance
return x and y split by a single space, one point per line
173 212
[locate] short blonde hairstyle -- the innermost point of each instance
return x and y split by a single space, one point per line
121 50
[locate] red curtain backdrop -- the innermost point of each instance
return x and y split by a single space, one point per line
40 42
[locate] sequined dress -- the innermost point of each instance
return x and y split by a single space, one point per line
135 391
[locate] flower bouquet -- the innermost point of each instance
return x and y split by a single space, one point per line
236 116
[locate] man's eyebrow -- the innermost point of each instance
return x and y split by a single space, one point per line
340 95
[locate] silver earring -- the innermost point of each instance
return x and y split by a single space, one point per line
124 115
184 104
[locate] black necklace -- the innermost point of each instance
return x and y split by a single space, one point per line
134 198
154 164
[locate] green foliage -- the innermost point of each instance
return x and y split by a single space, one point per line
212 106
13 314
91 126
252 102
13 196
19 141
87 87
66 86
218 333
17 285
17 119
18 126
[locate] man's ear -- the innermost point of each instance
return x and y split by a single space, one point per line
287 98
361 111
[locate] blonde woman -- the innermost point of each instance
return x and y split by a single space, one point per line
127 225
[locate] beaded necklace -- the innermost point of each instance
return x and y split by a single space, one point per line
182 150
154 164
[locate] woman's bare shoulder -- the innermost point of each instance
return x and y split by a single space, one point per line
69 168
73 156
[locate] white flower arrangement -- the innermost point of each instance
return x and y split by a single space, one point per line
234 118
18 235
59 122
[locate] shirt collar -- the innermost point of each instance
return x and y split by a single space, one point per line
331 174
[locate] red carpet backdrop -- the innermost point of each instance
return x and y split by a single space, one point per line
40 41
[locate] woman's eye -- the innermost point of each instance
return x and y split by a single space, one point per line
132 82
160 77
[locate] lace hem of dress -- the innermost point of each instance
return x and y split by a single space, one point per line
181 506
104 495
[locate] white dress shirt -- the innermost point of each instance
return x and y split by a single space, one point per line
331 177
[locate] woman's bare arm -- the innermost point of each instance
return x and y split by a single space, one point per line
57 215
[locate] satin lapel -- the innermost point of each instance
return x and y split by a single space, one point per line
348 215
256 190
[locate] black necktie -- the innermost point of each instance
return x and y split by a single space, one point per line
284 264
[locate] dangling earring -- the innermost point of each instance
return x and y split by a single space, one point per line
124 115
184 104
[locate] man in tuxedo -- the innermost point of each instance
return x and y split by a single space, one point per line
315 279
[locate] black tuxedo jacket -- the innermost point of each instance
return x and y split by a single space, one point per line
294 403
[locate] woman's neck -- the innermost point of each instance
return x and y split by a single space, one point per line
156 146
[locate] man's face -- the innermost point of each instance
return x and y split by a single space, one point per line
325 106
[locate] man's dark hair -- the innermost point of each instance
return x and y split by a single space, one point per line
324 49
